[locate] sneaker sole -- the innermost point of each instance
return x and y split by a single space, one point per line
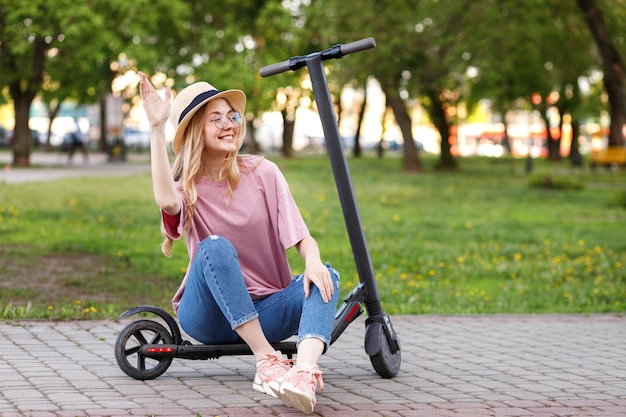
269 388
297 400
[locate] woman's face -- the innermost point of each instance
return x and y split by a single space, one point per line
220 130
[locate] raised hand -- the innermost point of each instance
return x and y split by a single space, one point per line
157 109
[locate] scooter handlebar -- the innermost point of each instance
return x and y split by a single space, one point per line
357 46
337 51
274 69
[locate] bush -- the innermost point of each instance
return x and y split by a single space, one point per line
553 182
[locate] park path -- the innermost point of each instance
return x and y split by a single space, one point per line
53 166
470 366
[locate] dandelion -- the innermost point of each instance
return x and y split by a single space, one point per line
396 218
517 257
321 198
468 225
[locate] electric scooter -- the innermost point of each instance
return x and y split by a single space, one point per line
145 348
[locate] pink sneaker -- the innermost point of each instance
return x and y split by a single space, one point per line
299 387
270 372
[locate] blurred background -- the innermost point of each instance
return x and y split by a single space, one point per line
528 79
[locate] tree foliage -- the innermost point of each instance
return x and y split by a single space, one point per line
442 56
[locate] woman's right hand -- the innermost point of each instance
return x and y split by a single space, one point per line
157 109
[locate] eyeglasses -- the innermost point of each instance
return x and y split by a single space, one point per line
221 120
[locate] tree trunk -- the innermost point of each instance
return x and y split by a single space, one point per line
21 133
553 144
23 93
53 111
438 116
357 135
250 139
103 143
506 141
574 151
380 150
412 162
289 124
613 69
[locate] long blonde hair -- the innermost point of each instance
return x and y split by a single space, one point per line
187 167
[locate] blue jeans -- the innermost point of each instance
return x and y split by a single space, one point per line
216 301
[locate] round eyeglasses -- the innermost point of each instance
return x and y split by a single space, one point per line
221 120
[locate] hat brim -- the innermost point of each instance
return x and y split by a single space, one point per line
237 98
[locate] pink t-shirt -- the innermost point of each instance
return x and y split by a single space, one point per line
261 220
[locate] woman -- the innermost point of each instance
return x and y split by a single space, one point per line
238 217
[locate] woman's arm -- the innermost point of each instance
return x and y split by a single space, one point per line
314 269
157 110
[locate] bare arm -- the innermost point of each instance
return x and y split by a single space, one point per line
157 110
314 270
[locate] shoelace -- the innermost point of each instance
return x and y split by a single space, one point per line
270 360
310 376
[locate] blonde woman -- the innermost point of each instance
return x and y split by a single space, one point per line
238 218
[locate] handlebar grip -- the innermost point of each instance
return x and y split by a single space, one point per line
357 46
274 69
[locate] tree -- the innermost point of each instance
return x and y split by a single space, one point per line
612 65
36 35
387 62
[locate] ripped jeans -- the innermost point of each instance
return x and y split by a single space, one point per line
216 301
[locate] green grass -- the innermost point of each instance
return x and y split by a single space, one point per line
486 239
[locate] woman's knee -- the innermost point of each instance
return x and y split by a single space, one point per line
334 275
216 244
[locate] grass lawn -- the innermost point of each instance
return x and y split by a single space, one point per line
481 240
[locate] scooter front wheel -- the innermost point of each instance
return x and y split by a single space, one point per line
128 349
385 361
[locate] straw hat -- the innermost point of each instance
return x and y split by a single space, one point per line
191 99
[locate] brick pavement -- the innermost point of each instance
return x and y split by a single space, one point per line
535 365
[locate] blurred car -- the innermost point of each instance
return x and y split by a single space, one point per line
6 137
135 138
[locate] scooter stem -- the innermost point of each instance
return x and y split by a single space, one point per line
344 185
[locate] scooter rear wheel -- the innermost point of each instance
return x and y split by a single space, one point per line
128 349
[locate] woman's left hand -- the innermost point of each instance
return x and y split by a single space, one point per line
317 274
